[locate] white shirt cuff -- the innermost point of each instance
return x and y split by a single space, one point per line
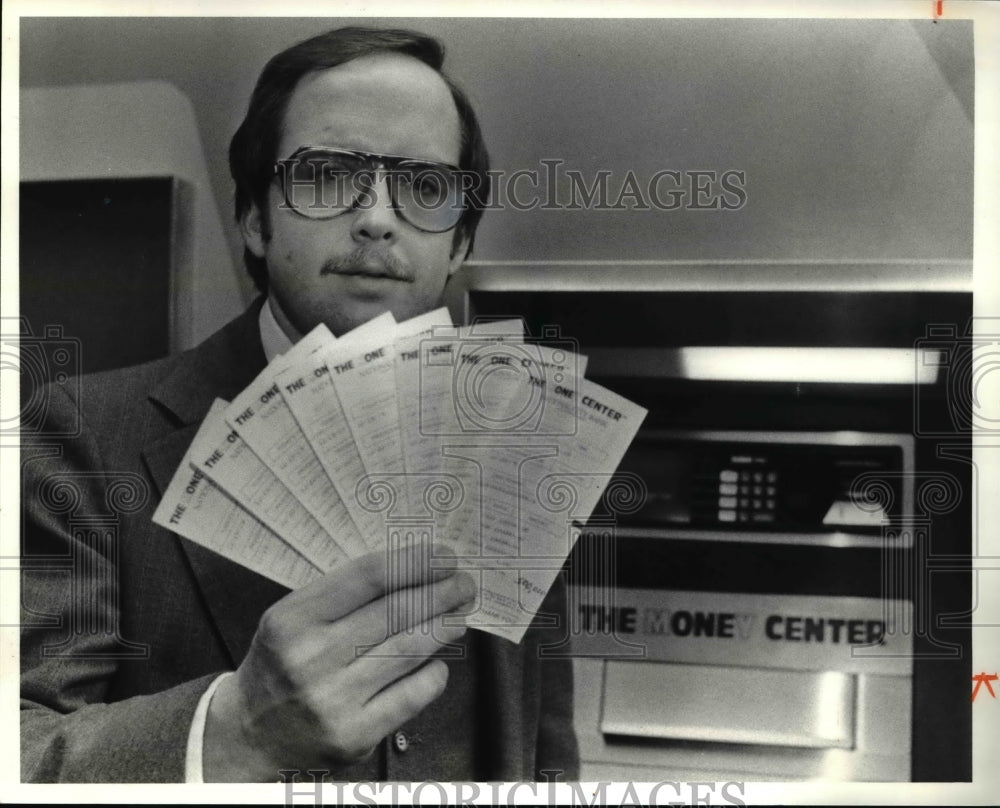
196 737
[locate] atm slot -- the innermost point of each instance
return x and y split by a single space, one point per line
730 705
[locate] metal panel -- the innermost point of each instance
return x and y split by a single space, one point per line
771 707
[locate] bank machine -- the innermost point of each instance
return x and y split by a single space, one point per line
753 599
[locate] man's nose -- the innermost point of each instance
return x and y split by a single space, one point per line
375 218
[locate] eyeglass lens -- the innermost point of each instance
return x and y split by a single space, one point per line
324 184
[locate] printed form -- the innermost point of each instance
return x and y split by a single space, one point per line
317 410
264 421
220 453
453 401
406 366
196 508
365 385
509 403
558 480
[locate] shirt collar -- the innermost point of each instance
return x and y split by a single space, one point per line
274 340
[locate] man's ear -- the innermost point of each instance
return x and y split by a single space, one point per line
459 252
254 230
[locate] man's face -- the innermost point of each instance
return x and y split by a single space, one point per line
345 270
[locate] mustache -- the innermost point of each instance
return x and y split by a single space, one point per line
368 261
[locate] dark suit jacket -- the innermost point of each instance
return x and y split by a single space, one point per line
126 624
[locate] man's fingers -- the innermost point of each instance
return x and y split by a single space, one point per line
402 610
398 656
312 647
403 700
366 578
332 646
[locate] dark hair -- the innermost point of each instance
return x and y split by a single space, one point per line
253 149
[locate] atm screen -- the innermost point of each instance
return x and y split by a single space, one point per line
810 487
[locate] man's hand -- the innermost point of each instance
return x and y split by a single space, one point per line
306 696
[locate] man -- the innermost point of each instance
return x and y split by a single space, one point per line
134 692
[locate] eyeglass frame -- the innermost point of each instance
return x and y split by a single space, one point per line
376 163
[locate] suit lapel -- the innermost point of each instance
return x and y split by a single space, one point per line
218 368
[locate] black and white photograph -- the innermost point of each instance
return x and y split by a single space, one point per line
495 409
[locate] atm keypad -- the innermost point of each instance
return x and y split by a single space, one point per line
747 496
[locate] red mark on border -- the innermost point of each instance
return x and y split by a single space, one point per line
984 679
938 8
